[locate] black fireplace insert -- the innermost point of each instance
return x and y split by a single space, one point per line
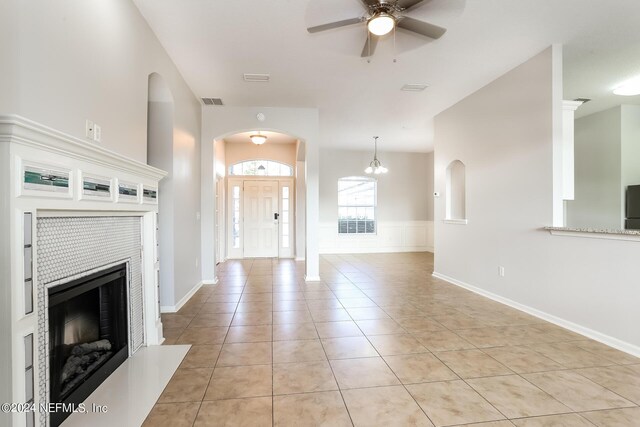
88 335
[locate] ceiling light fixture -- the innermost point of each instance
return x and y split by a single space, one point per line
381 23
375 166
258 139
629 88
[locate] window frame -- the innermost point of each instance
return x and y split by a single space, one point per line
374 207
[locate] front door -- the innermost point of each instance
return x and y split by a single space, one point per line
260 223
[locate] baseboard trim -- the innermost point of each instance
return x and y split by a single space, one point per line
183 300
574 327
311 278
300 259
211 282
370 250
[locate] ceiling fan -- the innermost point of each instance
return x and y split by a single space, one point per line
382 16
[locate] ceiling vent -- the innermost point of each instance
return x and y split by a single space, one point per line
414 87
212 101
257 78
583 100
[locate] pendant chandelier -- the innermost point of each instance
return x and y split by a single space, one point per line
375 166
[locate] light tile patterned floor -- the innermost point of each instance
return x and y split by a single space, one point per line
381 342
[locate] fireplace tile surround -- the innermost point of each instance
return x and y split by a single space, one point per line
74 234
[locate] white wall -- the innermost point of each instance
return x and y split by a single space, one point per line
507 147
72 60
301 123
405 201
598 197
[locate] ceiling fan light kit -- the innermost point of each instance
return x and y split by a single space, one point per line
381 24
375 167
382 17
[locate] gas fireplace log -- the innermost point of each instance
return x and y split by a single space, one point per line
90 347
85 372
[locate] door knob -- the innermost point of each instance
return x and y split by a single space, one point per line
276 216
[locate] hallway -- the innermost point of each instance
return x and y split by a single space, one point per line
380 342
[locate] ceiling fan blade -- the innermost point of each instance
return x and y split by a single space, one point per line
421 27
332 25
408 4
369 46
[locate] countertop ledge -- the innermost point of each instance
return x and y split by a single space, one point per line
594 231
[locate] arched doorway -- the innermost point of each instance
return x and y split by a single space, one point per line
260 195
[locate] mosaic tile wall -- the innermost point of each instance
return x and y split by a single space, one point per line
72 247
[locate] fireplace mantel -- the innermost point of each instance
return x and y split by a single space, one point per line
46 173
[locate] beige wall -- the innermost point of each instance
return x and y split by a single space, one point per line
237 151
405 193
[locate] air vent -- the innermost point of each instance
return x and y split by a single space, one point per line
414 87
583 100
212 101
258 78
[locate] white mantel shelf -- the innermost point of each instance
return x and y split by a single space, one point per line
14 128
595 233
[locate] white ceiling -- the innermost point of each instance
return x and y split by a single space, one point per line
213 42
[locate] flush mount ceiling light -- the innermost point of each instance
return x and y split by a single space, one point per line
381 23
629 88
258 139
375 166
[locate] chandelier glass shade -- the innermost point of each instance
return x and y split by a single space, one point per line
258 139
381 23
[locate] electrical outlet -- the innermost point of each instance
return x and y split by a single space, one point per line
89 130
197 216
501 271
97 133
197 262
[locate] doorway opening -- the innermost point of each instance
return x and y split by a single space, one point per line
260 196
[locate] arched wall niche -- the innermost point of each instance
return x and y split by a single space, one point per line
456 191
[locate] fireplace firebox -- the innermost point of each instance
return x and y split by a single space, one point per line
88 335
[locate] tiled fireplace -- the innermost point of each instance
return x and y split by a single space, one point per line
79 267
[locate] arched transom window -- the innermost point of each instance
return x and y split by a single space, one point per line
261 168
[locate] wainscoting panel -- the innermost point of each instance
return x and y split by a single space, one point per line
397 236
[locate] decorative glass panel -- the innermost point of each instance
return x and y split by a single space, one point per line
97 187
235 218
28 377
128 191
28 263
36 178
150 194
